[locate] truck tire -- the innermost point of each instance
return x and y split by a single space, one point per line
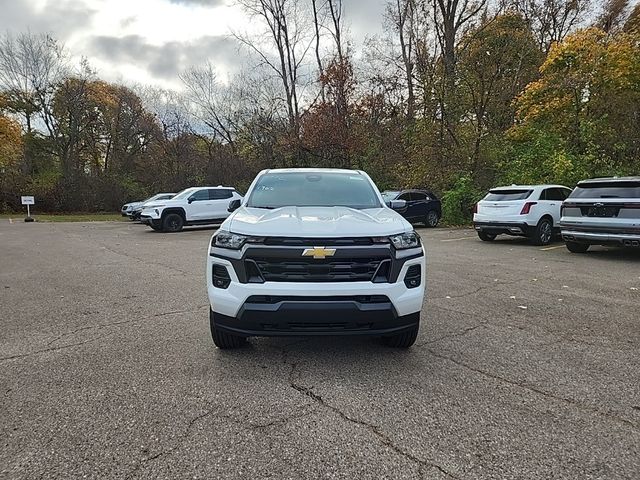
224 340
486 237
576 247
404 339
543 233
172 223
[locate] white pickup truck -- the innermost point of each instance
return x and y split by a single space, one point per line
315 252
193 206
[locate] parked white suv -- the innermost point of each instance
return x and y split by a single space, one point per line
315 252
531 211
132 210
602 211
193 206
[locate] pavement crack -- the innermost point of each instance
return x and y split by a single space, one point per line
101 326
167 451
372 428
53 349
537 390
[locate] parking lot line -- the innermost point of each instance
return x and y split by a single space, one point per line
551 248
457 239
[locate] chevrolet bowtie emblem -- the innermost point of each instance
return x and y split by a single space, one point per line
319 253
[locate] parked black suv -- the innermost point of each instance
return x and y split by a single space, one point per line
422 205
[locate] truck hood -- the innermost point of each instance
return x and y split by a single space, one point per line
316 222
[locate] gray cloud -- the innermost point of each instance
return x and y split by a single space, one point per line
59 17
209 3
168 60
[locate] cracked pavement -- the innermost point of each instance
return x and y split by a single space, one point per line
107 369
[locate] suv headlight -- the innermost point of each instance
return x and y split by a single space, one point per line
235 241
406 240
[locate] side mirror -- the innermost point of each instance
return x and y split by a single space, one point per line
190 200
234 205
398 205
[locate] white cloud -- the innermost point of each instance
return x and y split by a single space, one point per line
151 41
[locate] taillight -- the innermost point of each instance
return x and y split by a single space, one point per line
475 208
527 208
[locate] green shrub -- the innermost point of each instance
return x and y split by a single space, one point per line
458 202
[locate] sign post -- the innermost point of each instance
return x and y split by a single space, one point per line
28 200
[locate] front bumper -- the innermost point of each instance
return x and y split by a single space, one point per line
284 316
153 222
497 228
601 238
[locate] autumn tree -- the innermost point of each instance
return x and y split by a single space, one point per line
580 117
551 20
496 62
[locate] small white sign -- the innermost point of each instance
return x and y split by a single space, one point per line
28 200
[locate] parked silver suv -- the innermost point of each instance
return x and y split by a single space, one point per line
602 211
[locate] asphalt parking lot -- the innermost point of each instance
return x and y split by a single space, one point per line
527 366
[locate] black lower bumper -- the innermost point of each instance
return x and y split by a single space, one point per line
153 222
507 228
300 316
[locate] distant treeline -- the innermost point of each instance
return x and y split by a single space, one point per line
456 96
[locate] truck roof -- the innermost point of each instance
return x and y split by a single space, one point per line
311 170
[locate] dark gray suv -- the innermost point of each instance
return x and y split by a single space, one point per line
602 211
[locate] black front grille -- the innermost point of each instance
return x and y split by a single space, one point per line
272 299
318 270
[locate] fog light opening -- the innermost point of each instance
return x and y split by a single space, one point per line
413 277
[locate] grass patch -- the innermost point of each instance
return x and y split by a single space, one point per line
68 217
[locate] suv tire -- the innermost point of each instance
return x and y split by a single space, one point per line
173 222
224 340
576 247
404 339
543 233
486 237
432 219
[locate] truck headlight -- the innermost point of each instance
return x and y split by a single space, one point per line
226 239
406 240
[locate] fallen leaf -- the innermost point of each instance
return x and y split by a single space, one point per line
512 297
523 307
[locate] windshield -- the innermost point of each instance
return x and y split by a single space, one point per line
389 195
607 190
506 195
304 189
184 193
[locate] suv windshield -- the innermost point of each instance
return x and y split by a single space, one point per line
313 189
389 195
506 195
184 193
607 190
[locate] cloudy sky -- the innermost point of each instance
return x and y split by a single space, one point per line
152 41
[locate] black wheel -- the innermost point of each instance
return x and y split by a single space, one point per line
576 247
543 234
404 339
486 237
173 223
157 229
224 340
432 219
